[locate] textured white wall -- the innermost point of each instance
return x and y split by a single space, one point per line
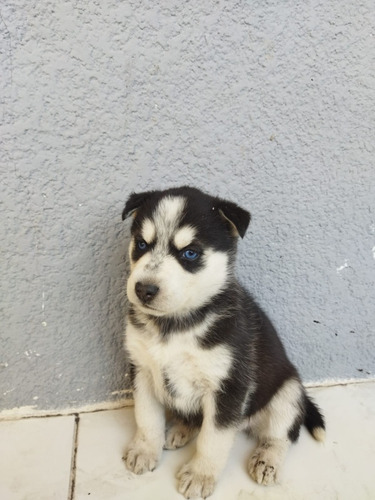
268 103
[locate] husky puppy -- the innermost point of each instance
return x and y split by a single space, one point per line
200 347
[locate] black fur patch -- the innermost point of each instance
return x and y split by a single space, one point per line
293 432
132 373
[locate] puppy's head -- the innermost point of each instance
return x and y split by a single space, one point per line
182 248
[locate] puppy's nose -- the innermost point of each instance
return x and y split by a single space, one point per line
146 291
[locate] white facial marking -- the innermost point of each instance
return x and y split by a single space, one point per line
180 291
184 237
168 212
148 231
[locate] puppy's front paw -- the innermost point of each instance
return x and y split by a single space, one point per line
194 484
140 460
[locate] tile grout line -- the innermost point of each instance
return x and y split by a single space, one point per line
72 479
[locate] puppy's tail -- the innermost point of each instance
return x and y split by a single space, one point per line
314 420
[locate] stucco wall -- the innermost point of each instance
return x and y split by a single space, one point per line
268 103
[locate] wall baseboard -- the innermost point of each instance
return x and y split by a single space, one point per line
33 411
332 382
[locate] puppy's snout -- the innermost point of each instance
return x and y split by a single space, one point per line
146 291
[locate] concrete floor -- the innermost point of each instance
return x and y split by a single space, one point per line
66 458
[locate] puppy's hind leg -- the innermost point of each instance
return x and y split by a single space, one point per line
276 426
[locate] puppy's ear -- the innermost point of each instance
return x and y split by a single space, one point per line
235 216
134 202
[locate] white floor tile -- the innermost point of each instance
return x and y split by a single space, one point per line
35 458
342 468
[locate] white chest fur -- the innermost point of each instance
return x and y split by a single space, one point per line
180 371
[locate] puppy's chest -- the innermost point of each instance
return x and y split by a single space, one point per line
181 370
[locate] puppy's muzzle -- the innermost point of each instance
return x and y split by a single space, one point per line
146 292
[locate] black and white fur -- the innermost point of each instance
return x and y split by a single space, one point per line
201 349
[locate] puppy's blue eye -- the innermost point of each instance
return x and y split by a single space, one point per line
142 245
190 254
